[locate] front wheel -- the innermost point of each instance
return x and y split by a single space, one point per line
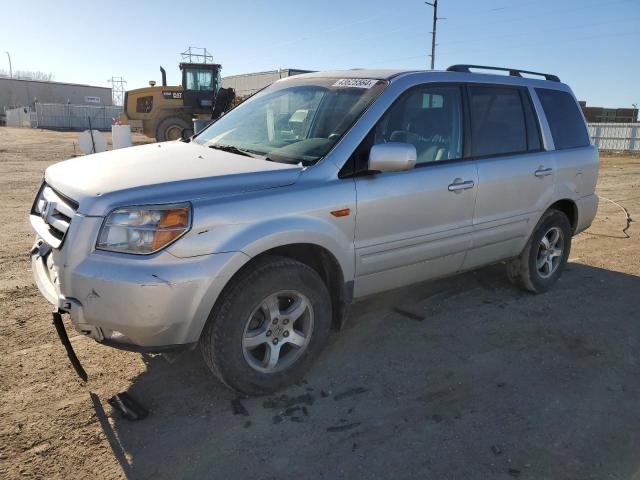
268 326
544 257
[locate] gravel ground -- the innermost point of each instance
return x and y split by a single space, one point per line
464 378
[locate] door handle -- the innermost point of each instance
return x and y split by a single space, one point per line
543 172
453 187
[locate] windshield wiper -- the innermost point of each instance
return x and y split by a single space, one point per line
249 153
304 163
233 149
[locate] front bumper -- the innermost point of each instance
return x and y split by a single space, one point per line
152 304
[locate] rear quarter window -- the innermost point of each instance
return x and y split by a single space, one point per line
564 118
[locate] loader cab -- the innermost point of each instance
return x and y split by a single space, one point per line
200 83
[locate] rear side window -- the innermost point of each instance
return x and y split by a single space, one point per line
497 121
565 121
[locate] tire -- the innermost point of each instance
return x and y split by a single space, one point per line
168 127
243 317
526 271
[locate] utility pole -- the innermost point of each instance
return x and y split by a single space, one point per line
433 32
10 68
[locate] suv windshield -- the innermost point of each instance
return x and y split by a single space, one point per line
297 120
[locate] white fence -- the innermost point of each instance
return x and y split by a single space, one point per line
615 136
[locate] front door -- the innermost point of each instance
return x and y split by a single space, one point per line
417 224
200 86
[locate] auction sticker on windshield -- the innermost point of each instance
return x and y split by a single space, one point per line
355 82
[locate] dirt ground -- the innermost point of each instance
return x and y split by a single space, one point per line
464 378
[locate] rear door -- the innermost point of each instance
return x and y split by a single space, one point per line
576 159
417 224
515 174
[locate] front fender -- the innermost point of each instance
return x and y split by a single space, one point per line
251 240
302 230
256 238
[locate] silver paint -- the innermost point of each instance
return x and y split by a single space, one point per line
405 226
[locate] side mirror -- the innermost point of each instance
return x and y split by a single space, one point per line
186 134
392 157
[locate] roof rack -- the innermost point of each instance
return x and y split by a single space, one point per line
514 72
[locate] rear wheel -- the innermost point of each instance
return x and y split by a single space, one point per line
268 327
171 129
544 257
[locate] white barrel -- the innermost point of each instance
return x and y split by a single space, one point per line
120 136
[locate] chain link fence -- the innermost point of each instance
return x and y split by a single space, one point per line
75 117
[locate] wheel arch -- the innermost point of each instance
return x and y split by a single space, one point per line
569 208
322 261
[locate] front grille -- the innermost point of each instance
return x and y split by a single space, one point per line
51 215
144 104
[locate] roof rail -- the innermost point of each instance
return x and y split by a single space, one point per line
514 72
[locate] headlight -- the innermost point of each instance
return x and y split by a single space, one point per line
144 229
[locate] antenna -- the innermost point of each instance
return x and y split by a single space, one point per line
117 90
197 55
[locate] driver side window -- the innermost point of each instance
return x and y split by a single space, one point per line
429 118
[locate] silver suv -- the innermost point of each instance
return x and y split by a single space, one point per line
252 238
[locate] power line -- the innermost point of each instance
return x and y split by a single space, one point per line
346 52
499 9
549 41
322 33
600 3
536 43
537 31
546 12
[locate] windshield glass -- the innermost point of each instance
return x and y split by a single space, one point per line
199 79
297 120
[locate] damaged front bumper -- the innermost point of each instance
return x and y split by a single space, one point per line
146 304
62 333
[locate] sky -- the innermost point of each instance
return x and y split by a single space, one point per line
590 44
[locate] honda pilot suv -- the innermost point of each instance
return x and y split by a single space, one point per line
251 239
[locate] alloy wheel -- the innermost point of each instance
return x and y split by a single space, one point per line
550 252
278 331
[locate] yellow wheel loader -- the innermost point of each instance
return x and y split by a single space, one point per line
164 112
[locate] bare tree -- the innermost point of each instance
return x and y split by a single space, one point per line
28 75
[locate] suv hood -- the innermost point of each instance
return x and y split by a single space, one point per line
162 173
